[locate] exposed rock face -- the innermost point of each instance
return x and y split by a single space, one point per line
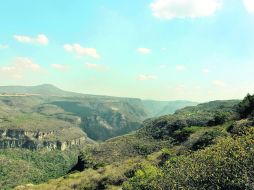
18 138
105 126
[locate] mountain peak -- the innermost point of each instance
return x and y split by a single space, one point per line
43 89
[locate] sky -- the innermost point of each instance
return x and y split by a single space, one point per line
198 50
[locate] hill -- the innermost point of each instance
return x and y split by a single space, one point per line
100 117
44 90
159 108
202 147
48 136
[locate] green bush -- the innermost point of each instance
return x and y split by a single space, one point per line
219 119
182 135
145 178
227 165
207 139
21 166
246 107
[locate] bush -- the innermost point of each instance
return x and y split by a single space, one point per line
227 165
219 119
183 134
21 166
145 178
206 139
246 107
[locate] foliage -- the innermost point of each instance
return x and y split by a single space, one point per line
145 178
125 147
86 161
219 118
246 107
109 177
183 134
213 113
21 166
241 127
229 164
148 159
207 139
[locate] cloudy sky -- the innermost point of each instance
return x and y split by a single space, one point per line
153 49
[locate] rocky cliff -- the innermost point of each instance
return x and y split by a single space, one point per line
19 138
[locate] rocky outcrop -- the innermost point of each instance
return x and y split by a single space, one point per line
53 145
17 138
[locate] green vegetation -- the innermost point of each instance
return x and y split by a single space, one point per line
208 146
109 177
182 135
171 152
200 116
21 166
246 107
229 164
100 117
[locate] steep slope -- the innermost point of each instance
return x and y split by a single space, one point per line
189 123
208 155
206 114
21 166
22 127
159 108
100 117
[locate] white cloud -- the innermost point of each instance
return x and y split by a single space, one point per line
95 66
26 63
163 66
60 67
68 47
180 67
143 77
40 39
206 71
219 83
249 5
3 46
19 67
81 51
169 9
144 50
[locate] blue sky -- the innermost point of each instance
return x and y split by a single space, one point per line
152 49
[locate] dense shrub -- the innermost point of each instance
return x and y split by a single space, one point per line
219 119
21 166
145 178
207 139
246 107
183 134
227 165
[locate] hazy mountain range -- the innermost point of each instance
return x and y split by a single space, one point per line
100 117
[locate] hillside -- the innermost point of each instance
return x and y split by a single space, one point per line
45 89
159 108
50 136
203 147
42 129
100 117
21 126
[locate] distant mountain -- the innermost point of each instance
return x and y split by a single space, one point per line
101 117
159 108
44 89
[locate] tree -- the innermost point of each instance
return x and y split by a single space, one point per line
246 107
146 178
